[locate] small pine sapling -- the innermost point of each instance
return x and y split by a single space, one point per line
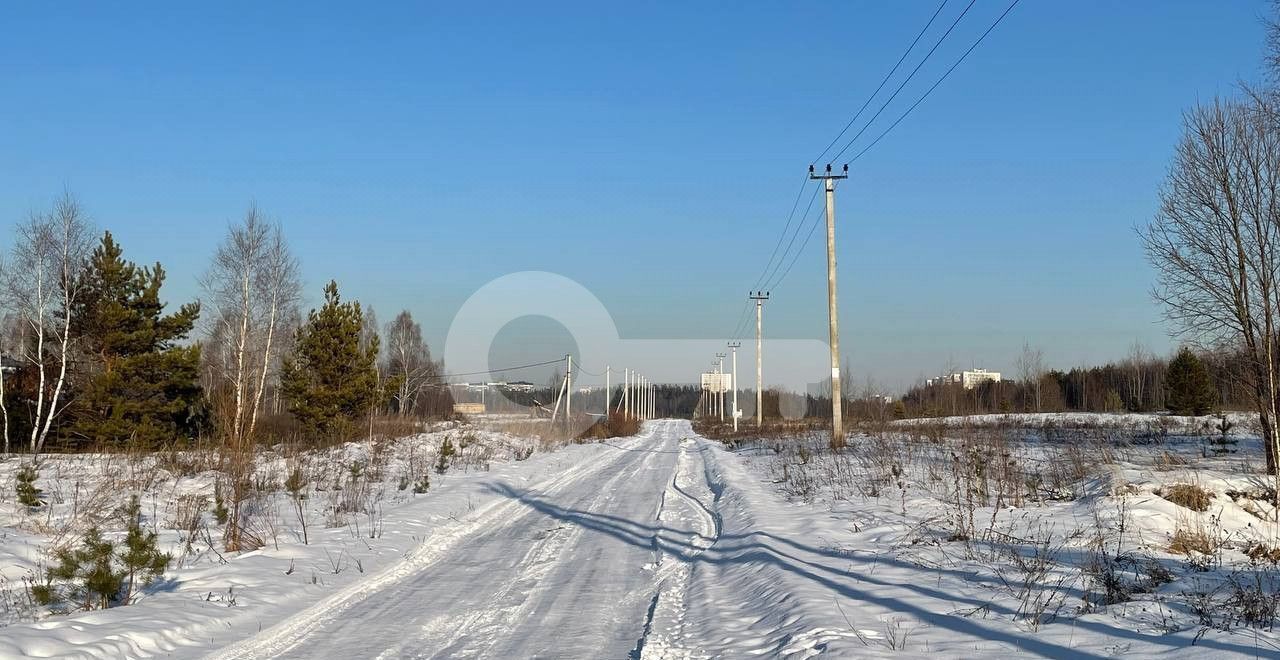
89 570
25 486
423 483
446 453
142 560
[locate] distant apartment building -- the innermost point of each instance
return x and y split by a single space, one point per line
967 379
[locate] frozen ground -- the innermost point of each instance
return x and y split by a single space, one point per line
668 545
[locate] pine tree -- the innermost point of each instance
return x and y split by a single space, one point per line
138 384
143 562
1191 390
25 486
90 570
330 379
445 457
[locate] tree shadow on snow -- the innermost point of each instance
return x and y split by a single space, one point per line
762 548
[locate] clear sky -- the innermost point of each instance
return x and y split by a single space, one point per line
650 151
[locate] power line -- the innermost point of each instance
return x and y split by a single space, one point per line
935 85
785 229
904 82
738 327
813 226
794 234
494 371
883 82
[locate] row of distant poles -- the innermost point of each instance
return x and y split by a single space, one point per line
638 400
716 386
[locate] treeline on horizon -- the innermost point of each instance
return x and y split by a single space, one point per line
1188 383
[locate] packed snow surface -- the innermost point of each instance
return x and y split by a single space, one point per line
665 545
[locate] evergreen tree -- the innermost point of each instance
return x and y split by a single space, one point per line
25 486
89 570
1191 390
331 378
138 384
141 558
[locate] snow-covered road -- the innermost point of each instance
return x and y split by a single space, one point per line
668 546
573 566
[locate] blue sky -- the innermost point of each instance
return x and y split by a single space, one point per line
650 151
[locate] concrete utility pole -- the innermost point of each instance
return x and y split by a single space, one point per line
720 384
837 422
568 391
733 348
644 385
607 398
759 298
626 392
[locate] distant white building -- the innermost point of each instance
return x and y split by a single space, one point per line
967 379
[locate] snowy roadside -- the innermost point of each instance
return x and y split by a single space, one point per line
862 554
365 525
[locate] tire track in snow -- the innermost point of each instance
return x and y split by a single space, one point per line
542 558
664 634
289 633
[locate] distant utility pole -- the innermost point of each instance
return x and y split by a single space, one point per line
607 396
759 297
733 348
837 423
720 384
568 392
644 385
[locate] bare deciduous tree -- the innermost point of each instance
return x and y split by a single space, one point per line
41 285
1031 370
254 286
1135 366
1214 242
408 360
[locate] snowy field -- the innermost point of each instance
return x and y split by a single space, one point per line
985 542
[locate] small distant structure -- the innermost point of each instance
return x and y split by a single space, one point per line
967 379
717 382
468 408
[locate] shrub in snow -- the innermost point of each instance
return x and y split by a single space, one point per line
141 559
87 572
422 484
296 484
97 573
25 486
220 513
446 453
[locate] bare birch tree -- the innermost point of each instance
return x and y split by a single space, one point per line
409 361
1135 367
253 285
1215 242
41 285
1032 372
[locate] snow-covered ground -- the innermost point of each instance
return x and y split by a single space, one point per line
668 545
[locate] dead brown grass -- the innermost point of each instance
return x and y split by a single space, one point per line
1187 541
1189 496
616 425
